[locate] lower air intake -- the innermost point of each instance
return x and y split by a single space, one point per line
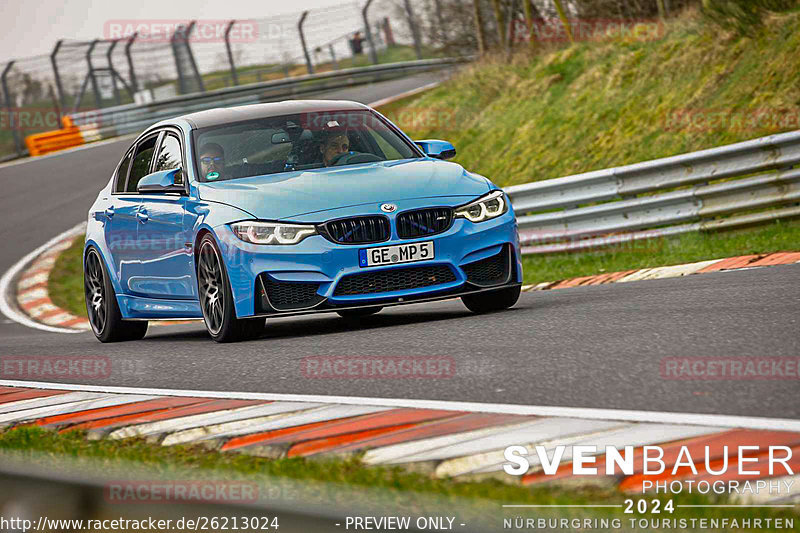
494 270
288 296
396 279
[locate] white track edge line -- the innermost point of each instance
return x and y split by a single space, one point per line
696 419
7 291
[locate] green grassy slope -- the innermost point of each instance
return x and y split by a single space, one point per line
606 103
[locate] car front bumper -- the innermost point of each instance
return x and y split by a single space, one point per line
316 266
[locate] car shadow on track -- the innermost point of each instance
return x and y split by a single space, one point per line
331 323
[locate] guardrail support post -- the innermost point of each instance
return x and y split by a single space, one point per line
7 96
373 54
230 53
97 99
111 70
134 83
60 104
309 65
414 29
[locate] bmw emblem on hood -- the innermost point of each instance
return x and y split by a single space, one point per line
388 208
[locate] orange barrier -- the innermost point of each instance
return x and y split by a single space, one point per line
52 141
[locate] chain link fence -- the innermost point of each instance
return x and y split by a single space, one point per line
142 61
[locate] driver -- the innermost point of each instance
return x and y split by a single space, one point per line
336 143
212 161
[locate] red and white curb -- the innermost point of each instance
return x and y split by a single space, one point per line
32 296
446 439
674 271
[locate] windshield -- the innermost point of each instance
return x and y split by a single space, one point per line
296 142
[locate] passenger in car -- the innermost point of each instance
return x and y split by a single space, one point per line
212 161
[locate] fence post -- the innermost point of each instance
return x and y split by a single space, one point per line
11 122
97 98
309 65
183 54
373 54
499 20
480 35
564 20
134 83
230 54
112 71
529 22
387 31
60 103
442 33
197 76
662 10
333 56
414 29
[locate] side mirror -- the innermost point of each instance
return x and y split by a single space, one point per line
162 181
437 149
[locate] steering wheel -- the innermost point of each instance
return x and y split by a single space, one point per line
351 158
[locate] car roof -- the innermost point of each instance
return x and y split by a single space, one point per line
226 115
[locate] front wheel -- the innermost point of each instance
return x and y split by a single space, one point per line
488 301
216 298
101 304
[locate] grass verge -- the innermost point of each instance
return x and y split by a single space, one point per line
65 283
781 236
222 466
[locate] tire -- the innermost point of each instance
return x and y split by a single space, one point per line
101 304
358 313
486 302
216 298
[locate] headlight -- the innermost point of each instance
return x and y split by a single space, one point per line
487 207
272 232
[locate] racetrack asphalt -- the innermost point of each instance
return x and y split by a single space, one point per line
596 347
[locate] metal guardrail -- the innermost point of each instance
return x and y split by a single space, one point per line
662 197
52 488
132 118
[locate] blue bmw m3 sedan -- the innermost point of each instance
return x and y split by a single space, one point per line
239 214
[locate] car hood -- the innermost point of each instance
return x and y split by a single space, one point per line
291 194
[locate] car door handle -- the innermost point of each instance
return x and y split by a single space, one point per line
142 216
109 212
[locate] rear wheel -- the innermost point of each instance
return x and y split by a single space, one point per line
486 302
216 298
358 313
101 304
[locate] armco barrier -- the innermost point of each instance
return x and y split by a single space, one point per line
725 187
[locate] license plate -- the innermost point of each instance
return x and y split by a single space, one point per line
399 253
